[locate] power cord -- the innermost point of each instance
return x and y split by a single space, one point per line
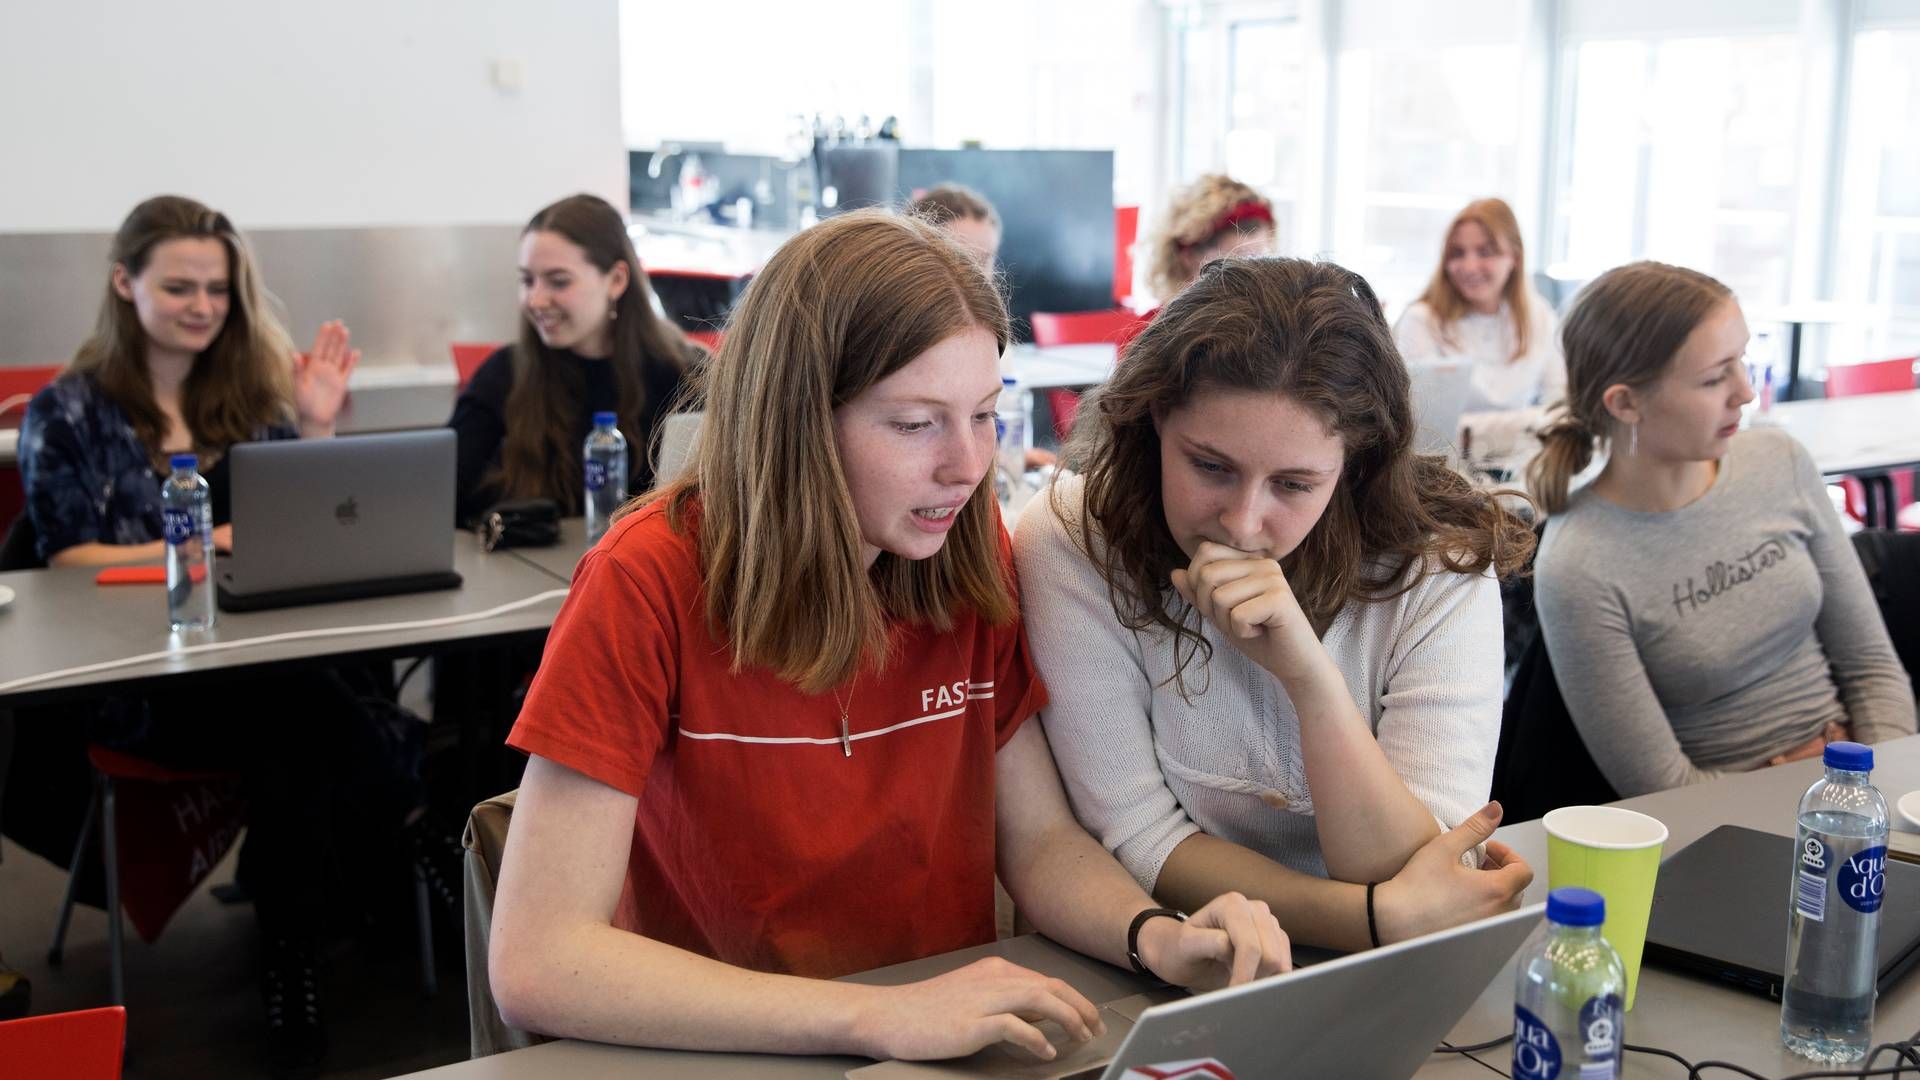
1907 1053
22 683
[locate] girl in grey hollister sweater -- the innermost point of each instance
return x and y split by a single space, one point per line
1703 607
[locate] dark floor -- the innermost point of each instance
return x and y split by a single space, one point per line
193 1005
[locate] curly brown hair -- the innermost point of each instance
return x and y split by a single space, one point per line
1313 332
1191 225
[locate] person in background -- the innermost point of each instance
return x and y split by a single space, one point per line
1480 308
1270 629
781 730
1214 217
186 356
966 215
591 340
1703 607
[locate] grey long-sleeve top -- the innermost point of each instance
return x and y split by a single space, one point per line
1708 639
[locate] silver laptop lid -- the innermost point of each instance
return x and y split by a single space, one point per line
1370 1014
310 512
1440 389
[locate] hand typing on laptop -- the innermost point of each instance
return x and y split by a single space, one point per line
1230 941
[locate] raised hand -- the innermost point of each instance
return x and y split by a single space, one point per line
1247 598
988 1001
1230 941
320 378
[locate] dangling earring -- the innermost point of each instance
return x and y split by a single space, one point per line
613 313
1633 440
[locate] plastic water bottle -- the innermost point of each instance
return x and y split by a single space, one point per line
186 519
1839 881
606 457
1013 421
1569 998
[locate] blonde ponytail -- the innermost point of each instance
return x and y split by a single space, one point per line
1566 449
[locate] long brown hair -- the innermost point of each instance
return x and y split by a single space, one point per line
1626 327
540 456
240 383
839 307
1194 221
1312 332
1495 216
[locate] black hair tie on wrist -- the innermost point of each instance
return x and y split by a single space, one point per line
1373 928
1133 936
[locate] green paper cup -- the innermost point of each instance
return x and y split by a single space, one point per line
1616 853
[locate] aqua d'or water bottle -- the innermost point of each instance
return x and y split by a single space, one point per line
1833 914
186 519
606 456
1013 424
1569 998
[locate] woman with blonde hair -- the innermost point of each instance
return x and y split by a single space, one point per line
590 341
1272 631
1211 218
779 732
187 357
1480 308
1704 609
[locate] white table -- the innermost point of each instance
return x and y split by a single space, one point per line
1867 436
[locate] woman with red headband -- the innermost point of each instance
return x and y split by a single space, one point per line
1212 218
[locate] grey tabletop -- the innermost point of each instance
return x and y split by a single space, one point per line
1697 1019
559 559
60 619
1694 1018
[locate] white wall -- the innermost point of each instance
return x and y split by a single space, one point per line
292 113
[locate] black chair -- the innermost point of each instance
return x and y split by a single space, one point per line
1542 763
17 551
1892 562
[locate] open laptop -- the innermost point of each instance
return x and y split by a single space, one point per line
318 520
1371 1014
679 433
1720 910
1441 389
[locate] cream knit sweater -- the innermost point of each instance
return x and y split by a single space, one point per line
1145 769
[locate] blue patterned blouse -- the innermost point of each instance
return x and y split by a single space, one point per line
87 474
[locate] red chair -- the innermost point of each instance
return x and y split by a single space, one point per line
1878 377
1117 326
708 339
1126 227
468 356
17 387
83 1045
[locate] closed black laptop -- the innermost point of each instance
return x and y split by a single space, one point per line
1720 910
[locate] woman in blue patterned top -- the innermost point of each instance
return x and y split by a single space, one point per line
185 357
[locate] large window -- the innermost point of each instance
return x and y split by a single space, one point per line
1684 150
1879 255
1421 132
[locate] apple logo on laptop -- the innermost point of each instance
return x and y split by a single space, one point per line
347 513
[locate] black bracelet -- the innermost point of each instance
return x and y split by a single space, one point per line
1373 928
1133 936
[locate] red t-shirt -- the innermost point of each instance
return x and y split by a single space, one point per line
758 841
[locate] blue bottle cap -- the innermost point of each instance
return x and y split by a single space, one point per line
1574 906
1850 756
1008 380
184 461
605 419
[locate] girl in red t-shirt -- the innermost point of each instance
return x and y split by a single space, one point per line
779 731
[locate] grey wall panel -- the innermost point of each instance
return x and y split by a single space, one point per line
404 292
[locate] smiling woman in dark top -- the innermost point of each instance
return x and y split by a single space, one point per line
590 341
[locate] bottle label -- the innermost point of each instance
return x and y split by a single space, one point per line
1536 1053
1601 1029
596 474
176 526
1862 879
1810 881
